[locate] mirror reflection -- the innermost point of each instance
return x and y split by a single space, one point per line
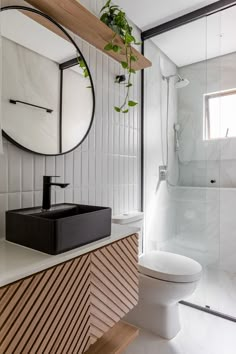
48 102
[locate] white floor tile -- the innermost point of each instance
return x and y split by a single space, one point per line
201 334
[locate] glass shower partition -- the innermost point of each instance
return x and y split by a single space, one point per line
189 129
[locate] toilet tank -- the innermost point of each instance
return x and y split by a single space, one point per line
132 219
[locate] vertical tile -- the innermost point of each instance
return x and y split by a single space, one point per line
116 209
39 171
3 208
77 196
38 198
104 201
98 194
126 199
131 197
59 195
50 166
84 195
131 170
105 169
116 170
14 169
110 198
110 169
68 195
69 169
60 168
85 165
92 169
27 172
27 199
99 159
14 201
77 168
92 195
4 170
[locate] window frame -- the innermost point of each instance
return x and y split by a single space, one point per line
207 121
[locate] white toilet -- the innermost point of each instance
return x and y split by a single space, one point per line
165 279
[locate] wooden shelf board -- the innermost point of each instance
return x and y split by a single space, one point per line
72 15
116 340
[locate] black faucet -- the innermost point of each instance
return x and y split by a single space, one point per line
47 183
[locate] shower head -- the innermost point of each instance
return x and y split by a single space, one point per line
176 127
181 83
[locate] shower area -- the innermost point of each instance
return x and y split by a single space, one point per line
190 151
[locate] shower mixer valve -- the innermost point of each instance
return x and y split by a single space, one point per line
163 173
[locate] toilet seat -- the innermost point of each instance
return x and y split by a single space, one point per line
170 267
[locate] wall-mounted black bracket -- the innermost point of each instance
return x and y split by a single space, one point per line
48 110
120 79
70 63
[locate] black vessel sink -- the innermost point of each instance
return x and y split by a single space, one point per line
64 227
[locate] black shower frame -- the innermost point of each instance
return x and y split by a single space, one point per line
148 34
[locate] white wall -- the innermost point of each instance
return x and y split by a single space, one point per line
206 215
26 78
159 208
205 227
205 160
104 170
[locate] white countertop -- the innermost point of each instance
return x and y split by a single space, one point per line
17 262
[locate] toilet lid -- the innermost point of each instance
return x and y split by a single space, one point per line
170 267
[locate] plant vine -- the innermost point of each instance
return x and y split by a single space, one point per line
115 18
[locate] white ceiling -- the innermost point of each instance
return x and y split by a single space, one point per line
28 33
203 39
149 13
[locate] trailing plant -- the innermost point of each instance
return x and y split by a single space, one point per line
115 18
83 66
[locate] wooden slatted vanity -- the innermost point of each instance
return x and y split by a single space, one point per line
66 303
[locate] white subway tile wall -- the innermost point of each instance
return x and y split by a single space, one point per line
104 170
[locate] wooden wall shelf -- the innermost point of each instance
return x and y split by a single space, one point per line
72 15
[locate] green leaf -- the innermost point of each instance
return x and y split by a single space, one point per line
125 111
116 48
129 38
86 74
132 103
106 5
81 62
108 47
132 71
124 64
105 18
133 58
117 109
129 85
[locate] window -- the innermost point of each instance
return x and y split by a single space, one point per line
220 115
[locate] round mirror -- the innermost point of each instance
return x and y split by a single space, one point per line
47 91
